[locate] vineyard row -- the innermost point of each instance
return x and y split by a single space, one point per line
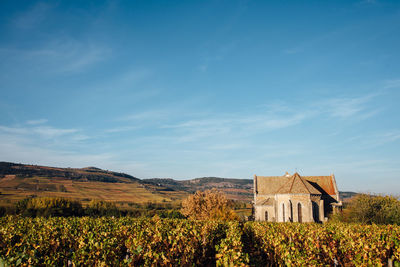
132 242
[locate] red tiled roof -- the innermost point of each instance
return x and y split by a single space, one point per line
297 185
268 185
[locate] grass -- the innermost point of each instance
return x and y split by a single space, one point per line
14 189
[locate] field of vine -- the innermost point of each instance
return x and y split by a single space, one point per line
133 242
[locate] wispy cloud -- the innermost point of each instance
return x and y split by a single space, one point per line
32 17
368 141
234 125
215 55
35 122
147 116
368 2
392 84
178 126
391 136
131 81
349 107
17 149
46 132
293 50
70 55
121 129
61 55
13 130
51 132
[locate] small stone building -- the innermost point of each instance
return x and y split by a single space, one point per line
295 198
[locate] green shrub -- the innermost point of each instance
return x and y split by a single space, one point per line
49 207
369 209
97 208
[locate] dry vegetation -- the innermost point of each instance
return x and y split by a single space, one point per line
208 205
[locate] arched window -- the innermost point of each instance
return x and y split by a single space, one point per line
283 212
291 211
315 209
266 216
299 213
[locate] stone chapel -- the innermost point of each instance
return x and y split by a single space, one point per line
295 198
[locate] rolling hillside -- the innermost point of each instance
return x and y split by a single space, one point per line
237 189
18 181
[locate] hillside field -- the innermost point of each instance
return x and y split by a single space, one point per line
18 181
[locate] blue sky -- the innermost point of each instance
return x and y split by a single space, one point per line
204 88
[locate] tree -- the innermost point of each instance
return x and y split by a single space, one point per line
208 205
369 209
49 206
97 208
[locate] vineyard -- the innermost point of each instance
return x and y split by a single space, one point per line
133 242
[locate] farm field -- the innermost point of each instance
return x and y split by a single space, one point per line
19 181
16 189
131 242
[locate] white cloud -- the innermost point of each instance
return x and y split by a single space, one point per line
151 115
349 107
61 55
391 136
369 2
178 126
220 52
32 17
234 125
46 132
69 55
83 57
14 130
35 122
292 50
121 129
16 150
51 132
392 84
370 141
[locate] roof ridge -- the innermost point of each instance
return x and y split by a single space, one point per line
283 185
321 184
293 178
302 180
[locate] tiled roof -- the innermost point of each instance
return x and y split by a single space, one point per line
269 185
297 185
326 184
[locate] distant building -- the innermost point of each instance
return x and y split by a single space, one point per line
295 198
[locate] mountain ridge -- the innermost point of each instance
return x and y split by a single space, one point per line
19 180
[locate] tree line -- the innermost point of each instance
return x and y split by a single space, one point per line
370 209
64 207
203 205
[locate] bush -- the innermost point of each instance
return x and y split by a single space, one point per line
49 207
172 214
208 205
369 209
97 208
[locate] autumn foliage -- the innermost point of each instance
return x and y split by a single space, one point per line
369 209
208 205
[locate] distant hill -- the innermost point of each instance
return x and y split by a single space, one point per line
84 174
20 180
238 189
346 195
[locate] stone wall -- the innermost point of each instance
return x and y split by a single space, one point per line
292 208
260 213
